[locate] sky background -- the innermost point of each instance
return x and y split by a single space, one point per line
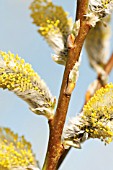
19 35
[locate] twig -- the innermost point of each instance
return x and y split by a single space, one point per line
108 67
55 148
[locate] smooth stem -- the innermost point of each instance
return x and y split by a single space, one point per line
55 148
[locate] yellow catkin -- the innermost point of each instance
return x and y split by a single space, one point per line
95 121
54 25
49 17
14 151
99 111
21 74
19 77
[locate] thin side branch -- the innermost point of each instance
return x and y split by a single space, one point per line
108 67
55 148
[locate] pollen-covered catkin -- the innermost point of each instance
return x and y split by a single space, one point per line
96 120
15 152
54 25
19 77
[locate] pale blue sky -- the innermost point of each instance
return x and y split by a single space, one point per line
19 35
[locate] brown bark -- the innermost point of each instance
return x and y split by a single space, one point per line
55 148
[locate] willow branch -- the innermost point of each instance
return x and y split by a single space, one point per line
78 10
55 148
108 68
82 7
